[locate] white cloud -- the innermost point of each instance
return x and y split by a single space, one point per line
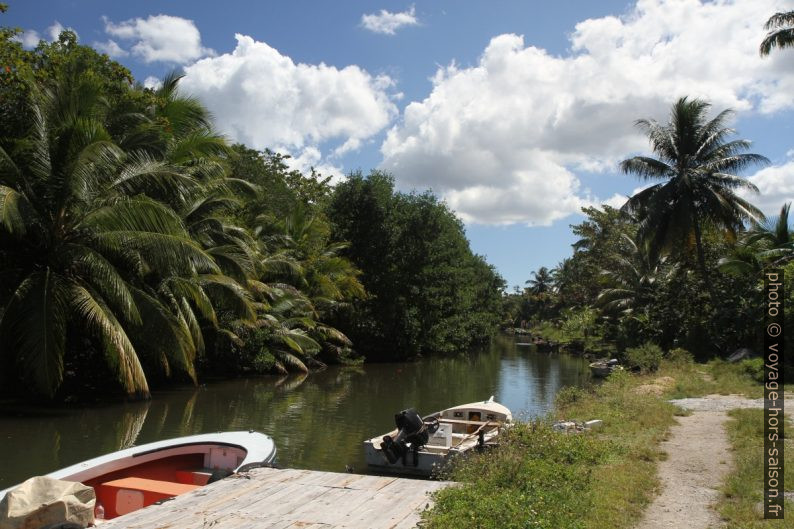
152 82
775 187
617 201
55 30
111 48
311 158
29 39
502 140
265 100
388 23
162 38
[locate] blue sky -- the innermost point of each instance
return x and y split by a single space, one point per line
515 112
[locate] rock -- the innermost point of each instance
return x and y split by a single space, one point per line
564 426
595 423
741 354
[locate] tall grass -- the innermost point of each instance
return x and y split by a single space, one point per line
543 479
743 489
602 479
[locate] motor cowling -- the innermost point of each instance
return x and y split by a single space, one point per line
411 430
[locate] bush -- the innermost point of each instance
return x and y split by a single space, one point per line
646 357
568 395
754 367
680 356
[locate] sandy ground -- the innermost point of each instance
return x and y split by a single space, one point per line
698 459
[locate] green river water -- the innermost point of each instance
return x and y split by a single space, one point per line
317 421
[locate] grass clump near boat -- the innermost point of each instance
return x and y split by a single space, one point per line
741 506
543 479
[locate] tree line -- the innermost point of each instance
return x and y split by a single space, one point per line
679 265
137 246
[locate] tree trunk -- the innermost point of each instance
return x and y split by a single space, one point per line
701 255
702 262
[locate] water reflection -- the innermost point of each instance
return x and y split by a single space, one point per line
318 421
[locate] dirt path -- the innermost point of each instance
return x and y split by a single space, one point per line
699 457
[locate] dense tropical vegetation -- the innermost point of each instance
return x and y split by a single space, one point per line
679 265
138 246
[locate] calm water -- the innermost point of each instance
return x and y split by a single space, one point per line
318 421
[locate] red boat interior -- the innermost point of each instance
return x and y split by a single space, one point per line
139 486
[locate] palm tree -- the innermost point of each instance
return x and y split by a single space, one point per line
695 165
541 281
781 32
767 243
631 277
79 244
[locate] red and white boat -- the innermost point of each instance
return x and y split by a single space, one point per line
140 476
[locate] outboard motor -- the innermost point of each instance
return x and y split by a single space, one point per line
411 430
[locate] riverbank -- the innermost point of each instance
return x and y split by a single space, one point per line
605 479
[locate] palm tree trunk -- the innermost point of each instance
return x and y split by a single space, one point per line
702 262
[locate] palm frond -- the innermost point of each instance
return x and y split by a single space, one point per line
33 330
101 323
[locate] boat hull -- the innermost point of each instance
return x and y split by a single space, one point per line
139 476
600 370
427 463
470 426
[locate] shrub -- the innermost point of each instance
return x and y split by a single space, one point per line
646 357
680 356
754 367
568 395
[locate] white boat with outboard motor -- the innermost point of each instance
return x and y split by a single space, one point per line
421 446
140 476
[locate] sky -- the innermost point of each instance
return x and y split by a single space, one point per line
516 113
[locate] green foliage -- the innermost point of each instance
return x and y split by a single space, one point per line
647 357
754 367
124 242
428 292
679 356
694 162
569 395
780 27
537 478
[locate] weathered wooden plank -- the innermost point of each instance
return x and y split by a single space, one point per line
289 499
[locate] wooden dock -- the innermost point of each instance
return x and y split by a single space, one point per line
269 498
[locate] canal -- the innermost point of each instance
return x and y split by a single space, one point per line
317 421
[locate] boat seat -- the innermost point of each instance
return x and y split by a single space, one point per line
121 496
199 476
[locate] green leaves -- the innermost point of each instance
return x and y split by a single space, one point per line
33 329
781 32
101 323
16 214
694 160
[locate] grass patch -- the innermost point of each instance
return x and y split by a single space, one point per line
603 479
743 489
715 377
547 480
